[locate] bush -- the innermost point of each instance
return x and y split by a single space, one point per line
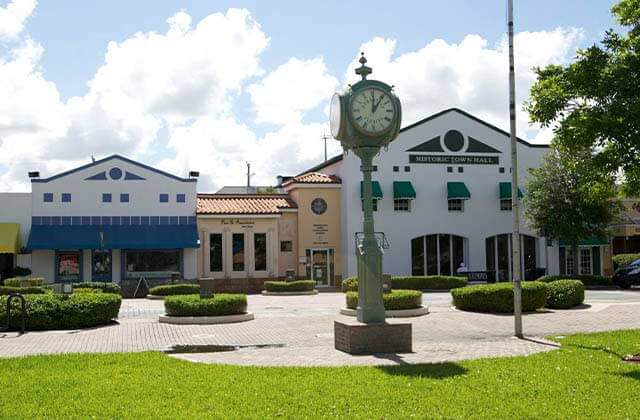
32 290
621 260
428 282
350 284
396 300
586 280
413 283
86 290
218 305
21 272
498 298
175 289
24 281
100 285
58 312
290 286
564 294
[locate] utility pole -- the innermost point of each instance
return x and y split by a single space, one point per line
248 177
515 208
325 138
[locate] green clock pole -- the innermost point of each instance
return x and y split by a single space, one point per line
370 301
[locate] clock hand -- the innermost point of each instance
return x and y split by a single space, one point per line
378 104
373 99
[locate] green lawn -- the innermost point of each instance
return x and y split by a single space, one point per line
584 379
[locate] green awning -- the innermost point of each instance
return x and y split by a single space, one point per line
592 241
376 190
457 190
505 191
9 238
403 189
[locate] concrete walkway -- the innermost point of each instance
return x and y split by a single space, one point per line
302 327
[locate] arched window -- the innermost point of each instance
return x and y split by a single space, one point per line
500 261
437 254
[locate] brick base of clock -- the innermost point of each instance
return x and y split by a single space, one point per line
355 337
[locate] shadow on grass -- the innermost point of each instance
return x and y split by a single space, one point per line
434 371
595 348
631 375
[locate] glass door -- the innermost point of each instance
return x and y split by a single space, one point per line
101 265
320 266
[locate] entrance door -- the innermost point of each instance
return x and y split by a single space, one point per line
320 267
101 265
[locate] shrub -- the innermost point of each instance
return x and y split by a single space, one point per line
350 284
413 283
33 290
24 281
621 260
289 286
218 305
106 287
499 297
587 280
21 272
175 289
57 312
86 290
563 294
396 300
428 282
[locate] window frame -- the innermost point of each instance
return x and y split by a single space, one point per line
107 198
163 197
65 197
220 250
122 198
452 205
504 206
402 204
288 248
47 198
181 198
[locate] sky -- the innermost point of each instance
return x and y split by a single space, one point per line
210 85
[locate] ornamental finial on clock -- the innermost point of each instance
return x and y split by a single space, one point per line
363 70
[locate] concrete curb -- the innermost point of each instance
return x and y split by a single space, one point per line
155 297
401 313
187 320
305 293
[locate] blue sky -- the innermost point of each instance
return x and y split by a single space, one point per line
65 43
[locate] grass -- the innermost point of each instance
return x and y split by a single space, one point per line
584 379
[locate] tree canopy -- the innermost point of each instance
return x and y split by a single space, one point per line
594 102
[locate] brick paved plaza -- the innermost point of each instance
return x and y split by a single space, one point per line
303 328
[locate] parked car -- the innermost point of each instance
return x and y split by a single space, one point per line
627 276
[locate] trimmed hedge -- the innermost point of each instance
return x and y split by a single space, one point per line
621 260
395 300
290 286
586 280
104 286
21 271
5 290
564 294
86 290
498 298
24 281
58 312
175 289
218 305
413 283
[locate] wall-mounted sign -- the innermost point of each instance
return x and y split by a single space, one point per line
455 159
237 222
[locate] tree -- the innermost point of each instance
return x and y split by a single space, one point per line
567 200
594 102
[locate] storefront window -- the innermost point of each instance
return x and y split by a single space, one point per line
442 252
432 255
238 251
445 255
215 252
500 248
152 263
68 266
260 251
101 265
585 260
417 256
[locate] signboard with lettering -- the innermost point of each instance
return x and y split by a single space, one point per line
455 159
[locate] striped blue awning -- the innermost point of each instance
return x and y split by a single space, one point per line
112 237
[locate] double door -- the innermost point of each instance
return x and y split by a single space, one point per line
320 266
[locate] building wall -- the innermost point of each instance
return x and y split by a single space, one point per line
482 216
288 231
16 208
319 231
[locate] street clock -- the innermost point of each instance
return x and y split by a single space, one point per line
368 114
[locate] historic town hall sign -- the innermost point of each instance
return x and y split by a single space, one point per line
454 147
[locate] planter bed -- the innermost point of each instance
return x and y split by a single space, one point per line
398 313
219 309
203 320
300 293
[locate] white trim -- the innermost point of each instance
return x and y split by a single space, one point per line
308 185
238 216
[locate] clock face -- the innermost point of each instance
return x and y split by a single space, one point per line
372 111
334 115
318 206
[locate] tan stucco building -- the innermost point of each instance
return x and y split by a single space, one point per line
246 239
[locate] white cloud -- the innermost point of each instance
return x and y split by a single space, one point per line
469 75
291 89
13 17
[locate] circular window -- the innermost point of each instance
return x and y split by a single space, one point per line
454 140
318 206
115 173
